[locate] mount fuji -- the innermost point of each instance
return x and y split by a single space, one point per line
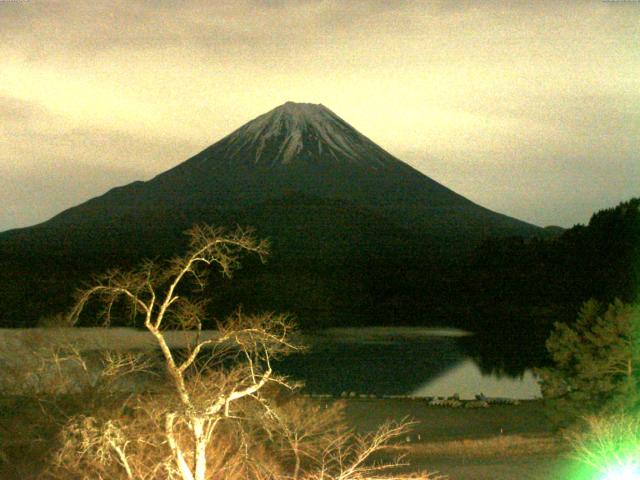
306 149
301 175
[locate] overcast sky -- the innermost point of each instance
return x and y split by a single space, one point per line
529 108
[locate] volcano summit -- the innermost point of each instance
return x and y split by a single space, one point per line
301 175
299 133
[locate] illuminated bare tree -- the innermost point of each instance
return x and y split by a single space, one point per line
182 432
154 293
304 429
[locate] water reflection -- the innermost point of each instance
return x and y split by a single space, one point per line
390 362
466 379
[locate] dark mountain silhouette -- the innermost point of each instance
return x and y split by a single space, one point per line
327 196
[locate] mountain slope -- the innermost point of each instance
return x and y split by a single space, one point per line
331 200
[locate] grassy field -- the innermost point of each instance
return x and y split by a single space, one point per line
503 442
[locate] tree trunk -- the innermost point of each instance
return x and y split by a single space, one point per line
296 470
200 448
183 467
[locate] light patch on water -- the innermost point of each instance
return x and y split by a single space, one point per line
383 334
467 380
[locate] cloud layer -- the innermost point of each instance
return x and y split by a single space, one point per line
530 108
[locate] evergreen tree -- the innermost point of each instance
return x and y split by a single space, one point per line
596 363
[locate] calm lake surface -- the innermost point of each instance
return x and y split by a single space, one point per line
376 360
401 361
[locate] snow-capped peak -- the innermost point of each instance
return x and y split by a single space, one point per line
296 132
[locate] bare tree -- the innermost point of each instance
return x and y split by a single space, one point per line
349 456
184 432
305 430
154 293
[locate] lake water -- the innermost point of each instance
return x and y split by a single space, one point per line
379 361
405 361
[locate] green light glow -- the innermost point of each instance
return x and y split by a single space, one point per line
628 471
608 449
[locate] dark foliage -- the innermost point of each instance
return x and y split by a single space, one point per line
346 265
596 364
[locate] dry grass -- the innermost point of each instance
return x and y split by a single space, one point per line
500 446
